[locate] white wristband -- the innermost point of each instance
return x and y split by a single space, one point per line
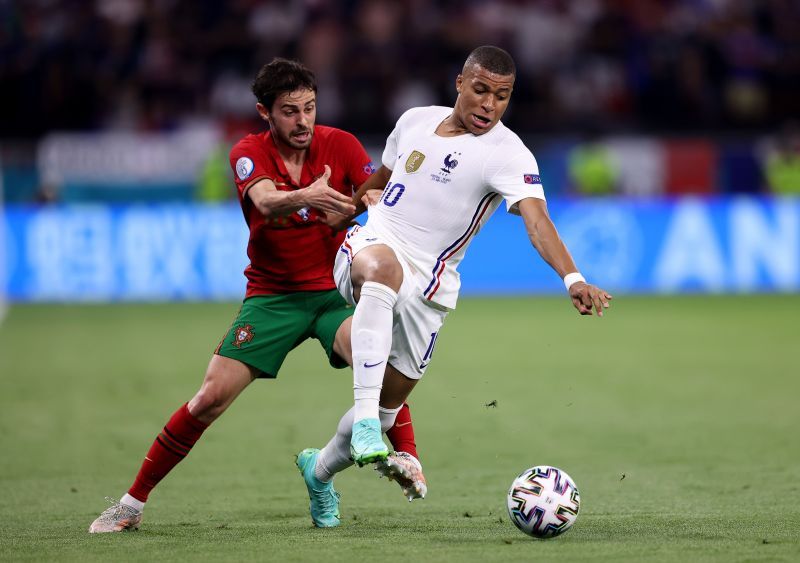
569 279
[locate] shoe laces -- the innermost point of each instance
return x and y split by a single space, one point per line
364 433
327 499
116 510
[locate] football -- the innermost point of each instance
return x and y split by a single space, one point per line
543 502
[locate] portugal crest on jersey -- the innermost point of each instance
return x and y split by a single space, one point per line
414 161
242 335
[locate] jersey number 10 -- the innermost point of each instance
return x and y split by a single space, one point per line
392 193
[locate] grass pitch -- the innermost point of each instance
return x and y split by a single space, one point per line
677 417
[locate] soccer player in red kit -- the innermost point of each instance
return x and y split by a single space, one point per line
295 184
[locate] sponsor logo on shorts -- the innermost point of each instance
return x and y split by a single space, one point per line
242 335
414 161
244 168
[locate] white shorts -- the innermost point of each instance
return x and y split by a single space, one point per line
416 324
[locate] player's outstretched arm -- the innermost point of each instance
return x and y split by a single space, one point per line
544 237
272 202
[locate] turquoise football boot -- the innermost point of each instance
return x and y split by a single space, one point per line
366 445
324 498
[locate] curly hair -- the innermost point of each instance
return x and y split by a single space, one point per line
280 76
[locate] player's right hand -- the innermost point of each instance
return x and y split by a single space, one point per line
336 221
320 195
586 296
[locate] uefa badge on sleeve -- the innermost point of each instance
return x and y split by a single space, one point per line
531 179
244 168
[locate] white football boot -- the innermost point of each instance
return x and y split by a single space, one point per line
116 518
406 470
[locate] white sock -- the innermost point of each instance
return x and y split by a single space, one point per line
335 456
388 417
371 336
134 503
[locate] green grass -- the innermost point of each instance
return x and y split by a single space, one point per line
694 400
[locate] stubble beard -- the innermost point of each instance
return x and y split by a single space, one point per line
300 145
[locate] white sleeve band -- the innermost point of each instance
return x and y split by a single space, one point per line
569 279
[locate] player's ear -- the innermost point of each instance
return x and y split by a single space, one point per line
262 111
459 82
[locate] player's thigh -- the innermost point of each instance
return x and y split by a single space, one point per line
266 329
414 334
228 375
332 327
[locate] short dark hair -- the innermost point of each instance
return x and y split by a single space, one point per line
491 58
280 76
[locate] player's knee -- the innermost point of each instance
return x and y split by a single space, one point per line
209 403
381 268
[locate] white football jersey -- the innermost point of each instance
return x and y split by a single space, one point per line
442 190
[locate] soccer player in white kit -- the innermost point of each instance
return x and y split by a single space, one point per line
445 171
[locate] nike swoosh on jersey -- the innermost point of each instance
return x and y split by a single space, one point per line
423 365
366 365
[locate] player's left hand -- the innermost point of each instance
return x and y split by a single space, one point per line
371 197
586 297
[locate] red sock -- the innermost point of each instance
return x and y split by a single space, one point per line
171 446
401 435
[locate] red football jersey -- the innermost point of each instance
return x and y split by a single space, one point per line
296 252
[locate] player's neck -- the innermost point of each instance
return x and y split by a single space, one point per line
291 156
451 127
293 159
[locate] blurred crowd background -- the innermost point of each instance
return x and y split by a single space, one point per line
628 106
639 97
